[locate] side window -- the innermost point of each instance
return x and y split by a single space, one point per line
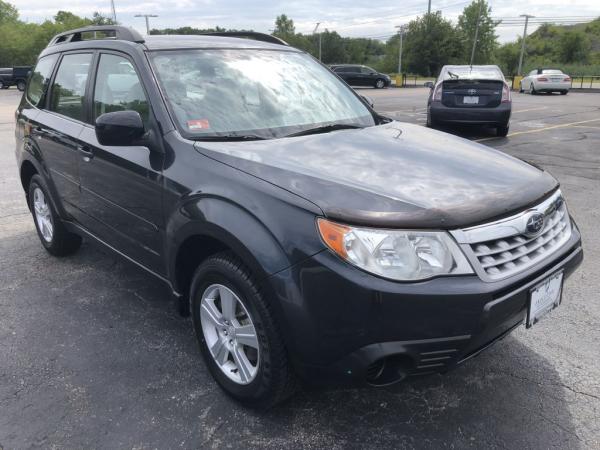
40 78
366 70
118 87
68 89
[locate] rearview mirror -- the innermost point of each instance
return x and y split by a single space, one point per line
119 128
428 84
368 100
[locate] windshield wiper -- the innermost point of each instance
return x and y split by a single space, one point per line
325 129
452 74
230 137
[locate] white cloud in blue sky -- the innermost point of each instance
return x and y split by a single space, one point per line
349 18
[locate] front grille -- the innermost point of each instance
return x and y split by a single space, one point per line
504 248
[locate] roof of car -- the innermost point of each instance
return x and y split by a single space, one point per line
163 42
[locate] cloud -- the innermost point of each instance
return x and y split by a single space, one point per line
347 17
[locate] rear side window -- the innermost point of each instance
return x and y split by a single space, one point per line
118 87
40 78
68 89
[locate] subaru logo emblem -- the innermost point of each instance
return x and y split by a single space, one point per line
472 91
534 224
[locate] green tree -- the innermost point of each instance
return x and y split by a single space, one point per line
507 57
284 26
574 46
487 41
8 13
429 43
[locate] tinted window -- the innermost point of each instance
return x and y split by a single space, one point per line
118 87
473 73
552 72
366 70
68 89
40 78
343 69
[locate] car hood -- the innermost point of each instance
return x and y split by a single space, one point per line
392 175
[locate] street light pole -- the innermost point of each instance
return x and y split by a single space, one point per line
527 16
401 33
476 32
314 31
146 16
113 10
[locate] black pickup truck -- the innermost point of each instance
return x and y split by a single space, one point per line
14 76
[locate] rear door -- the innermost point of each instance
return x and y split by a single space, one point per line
59 125
121 187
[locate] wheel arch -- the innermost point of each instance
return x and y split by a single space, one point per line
217 225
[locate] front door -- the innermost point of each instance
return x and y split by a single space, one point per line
121 187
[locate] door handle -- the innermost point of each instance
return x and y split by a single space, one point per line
85 152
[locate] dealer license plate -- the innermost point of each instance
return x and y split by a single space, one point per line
544 298
470 100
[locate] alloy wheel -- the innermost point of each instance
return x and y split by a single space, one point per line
43 216
229 334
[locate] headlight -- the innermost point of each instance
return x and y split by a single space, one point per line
399 255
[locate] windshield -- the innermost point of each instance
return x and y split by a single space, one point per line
255 93
473 73
552 72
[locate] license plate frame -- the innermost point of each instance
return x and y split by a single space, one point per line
470 100
544 297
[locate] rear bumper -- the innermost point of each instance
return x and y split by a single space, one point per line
499 115
552 87
347 326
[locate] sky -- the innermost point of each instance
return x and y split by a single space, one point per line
349 18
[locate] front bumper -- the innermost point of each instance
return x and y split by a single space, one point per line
499 115
343 324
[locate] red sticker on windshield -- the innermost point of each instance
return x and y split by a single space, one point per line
201 124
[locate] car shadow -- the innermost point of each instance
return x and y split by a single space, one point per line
93 354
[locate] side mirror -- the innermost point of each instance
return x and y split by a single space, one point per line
119 128
428 84
369 100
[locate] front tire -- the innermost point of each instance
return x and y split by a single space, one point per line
521 90
564 92
52 233
379 84
238 334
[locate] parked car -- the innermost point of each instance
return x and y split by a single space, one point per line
15 76
309 237
546 80
470 95
357 75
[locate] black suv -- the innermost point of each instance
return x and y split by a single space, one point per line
356 75
309 237
14 76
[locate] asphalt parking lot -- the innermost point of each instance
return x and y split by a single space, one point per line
92 354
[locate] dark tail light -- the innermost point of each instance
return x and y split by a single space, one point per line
505 93
567 79
437 93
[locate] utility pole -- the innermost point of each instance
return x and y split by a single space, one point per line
113 10
146 16
527 17
314 31
476 32
429 7
401 33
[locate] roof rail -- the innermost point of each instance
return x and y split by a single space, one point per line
250 35
111 31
